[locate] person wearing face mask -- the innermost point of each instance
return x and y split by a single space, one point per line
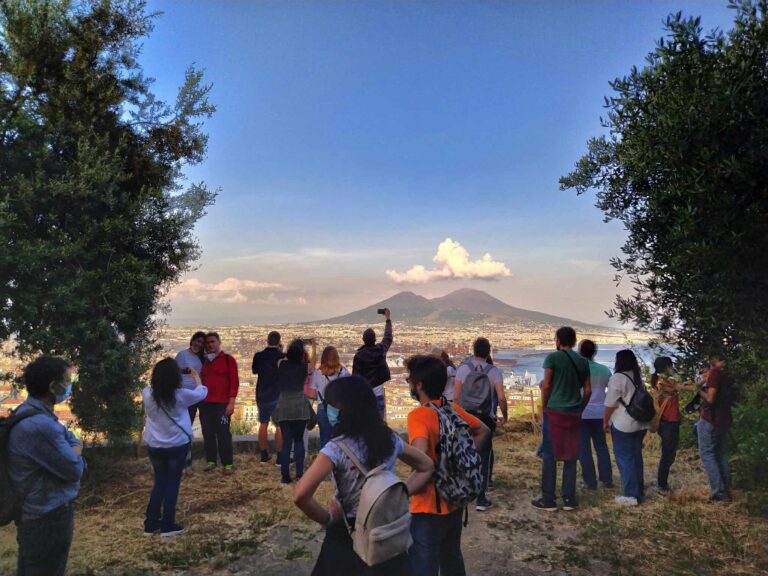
45 465
219 375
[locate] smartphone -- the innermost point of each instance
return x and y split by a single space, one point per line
380 311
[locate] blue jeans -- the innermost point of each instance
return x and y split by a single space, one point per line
714 457
168 465
44 543
549 470
628 451
436 545
592 433
293 438
323 424
669 432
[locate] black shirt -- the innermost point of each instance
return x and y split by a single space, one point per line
265 366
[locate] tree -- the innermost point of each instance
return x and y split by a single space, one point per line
95 219
684 166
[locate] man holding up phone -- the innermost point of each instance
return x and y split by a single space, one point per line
370 361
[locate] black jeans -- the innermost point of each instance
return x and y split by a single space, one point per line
338 558
217 439
670 441
44 543
293 437
167 465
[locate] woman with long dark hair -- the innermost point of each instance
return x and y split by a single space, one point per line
352 411
292 412
330 369
168 435
627 433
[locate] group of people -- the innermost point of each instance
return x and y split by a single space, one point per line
449 446
582 401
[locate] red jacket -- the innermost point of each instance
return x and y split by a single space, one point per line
220 376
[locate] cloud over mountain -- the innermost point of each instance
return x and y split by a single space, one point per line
453 262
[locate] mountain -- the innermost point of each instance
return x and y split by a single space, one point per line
458 307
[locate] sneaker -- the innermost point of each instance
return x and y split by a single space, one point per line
483 504
570 506
172 531
229 470
151 531
662 490
625 501
265 457
210 467
285 480
542 504
718 500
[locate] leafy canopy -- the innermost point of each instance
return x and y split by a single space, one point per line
684 166
96 219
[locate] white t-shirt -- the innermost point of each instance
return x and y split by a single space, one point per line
494 375
451 384
320 381
173 429
620 386
185 359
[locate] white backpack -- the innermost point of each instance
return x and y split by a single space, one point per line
383 525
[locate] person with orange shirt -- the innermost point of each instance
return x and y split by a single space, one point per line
668 391
435 524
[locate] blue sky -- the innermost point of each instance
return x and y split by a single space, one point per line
353 138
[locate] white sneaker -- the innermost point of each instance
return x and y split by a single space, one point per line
625 501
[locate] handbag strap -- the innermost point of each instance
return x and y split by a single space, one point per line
172 419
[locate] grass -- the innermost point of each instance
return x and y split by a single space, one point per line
229 518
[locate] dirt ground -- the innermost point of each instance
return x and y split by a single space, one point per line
246 525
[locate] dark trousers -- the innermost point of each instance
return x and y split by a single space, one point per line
592 433
293 437
338 558
217 439
192 413
628 451
44 543
168 466
486 454
549 470
436 545
669 432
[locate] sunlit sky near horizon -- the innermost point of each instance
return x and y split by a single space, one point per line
352 139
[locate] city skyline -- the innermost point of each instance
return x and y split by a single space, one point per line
367 148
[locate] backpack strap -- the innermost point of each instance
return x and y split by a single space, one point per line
354 459
621 400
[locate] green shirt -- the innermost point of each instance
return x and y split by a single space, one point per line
566 385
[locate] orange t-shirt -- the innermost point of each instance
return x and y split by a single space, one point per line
423 423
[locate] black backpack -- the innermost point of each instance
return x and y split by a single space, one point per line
640 407
11 499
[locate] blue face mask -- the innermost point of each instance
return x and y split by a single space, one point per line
62 397
333 414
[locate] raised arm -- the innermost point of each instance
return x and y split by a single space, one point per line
386 342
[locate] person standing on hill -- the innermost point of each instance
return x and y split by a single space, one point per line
479 389
565 392
330 369
268 391
190 360
45 465
435 524
592 432
219 375
370 361
713 427
669 416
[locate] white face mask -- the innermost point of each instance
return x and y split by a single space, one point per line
211 356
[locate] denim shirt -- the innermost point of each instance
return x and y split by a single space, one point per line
42 462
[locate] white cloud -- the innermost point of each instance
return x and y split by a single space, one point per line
235 291
452 261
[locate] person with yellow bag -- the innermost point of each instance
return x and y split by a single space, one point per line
668 417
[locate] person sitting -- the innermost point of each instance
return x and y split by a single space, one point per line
353 413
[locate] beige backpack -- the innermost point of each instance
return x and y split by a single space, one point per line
383 526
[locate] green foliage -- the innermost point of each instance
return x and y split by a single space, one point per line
682 166
95 221
751 462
